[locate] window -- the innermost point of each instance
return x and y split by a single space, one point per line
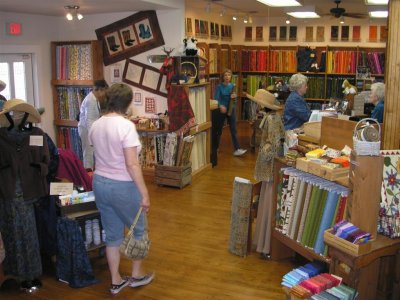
16 72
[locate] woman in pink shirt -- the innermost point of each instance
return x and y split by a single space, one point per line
118 183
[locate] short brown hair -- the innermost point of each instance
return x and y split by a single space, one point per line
119 97
100 84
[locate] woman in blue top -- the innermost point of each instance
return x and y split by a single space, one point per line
376 98
226 96
296 111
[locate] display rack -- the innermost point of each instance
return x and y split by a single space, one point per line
76 65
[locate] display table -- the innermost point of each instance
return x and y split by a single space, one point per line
375 274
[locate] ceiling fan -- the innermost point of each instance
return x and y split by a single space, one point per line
339 12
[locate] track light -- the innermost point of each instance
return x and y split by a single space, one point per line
342 20
222 12
234 18
73 12
245 20
287 21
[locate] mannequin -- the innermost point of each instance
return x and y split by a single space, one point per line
24 158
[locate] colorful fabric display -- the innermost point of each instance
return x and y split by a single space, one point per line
315 285
302 273
341 292
351 233
308 205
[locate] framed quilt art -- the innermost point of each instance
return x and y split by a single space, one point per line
128 37
144 77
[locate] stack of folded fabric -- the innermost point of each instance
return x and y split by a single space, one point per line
351 233
340 292
307 271
315 285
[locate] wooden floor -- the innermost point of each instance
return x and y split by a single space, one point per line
189 229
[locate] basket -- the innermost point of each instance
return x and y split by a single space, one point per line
363 147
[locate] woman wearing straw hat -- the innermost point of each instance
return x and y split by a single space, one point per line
271 145
296 111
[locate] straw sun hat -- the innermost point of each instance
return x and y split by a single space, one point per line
2 85
265 99
21 106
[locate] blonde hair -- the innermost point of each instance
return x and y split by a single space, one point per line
297 81
378 89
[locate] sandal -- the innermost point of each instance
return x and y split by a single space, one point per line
116 288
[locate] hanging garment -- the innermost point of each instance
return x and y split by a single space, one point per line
24 154
271 146
18 228
71 168
181 116
73 265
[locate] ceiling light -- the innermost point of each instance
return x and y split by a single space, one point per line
222 12
304 12
378 14
73 12
245 20
234 18
250 20
287 21
376 2
342 20
281 3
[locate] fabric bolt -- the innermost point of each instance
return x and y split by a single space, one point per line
305 58
89 112
327 219
110 135
296 111
240 217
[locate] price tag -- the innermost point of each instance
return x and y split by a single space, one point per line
36 140
61 188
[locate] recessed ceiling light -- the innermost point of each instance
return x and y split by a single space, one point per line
378 14
304 14
281 3
376 2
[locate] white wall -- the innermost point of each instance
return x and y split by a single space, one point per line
39 31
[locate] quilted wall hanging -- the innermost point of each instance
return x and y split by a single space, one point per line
389 218
130 36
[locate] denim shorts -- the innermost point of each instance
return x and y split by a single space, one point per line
118 203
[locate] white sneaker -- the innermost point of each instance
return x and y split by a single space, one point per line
239 152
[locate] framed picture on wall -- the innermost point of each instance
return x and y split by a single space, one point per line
188 26
259 34
144 77
130 36
248 33
293 33
282 33
272 33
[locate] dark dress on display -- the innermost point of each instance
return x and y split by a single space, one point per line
23 170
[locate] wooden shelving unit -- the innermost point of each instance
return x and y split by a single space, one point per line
73 75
